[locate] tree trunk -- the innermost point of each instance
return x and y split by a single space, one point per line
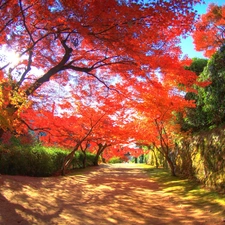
156 160
96 159
103 159
101 148
84 159
67 161
171 165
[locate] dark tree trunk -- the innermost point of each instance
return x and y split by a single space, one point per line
67 161
135 159
96 159
171 165
101 148
84 159
103 159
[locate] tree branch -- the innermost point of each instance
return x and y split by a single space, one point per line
26 70
35 129
59 67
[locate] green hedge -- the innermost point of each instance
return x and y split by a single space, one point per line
30 160
36 160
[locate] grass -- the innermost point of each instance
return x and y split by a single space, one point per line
189 191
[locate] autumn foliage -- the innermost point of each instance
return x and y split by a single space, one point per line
210 29
88 69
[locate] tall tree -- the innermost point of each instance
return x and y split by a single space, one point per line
89 125
98 39
156 122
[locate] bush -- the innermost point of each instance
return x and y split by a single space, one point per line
30 160
36 160
79 157
19 157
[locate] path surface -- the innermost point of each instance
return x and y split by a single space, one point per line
119 194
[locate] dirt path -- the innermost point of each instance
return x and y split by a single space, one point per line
108 195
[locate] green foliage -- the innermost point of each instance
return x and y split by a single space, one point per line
21 156
212 96
210 101
195 117
30 160
115 160
37 160
197 65
79 157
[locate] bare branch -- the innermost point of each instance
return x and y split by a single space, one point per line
59 67
24 21
35 129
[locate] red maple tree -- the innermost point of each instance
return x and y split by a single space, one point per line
98 40
209 34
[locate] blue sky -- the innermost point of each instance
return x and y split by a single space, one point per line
187 44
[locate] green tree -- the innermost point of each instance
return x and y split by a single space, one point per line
195 117
213 95
197 65
210 102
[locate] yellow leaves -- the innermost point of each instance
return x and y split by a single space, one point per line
18 98
12 102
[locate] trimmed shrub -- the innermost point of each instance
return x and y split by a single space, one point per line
37 160
30 160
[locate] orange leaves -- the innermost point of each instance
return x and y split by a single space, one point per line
119 60
112 38
65 105
203 83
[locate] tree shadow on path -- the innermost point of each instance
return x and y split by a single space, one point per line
108 195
